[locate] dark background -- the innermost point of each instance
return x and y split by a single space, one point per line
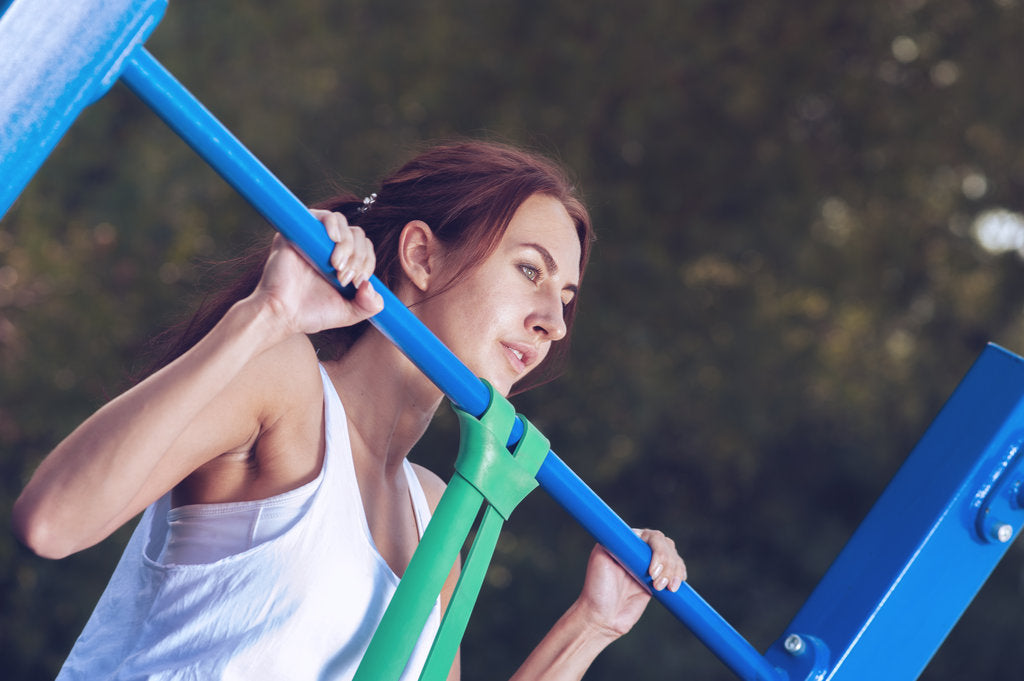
809 223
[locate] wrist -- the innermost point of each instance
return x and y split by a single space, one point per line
263 319
569 648
590 625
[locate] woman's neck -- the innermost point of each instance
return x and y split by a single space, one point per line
388 401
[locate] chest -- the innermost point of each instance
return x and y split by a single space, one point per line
390 517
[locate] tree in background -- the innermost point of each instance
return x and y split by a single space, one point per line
809 225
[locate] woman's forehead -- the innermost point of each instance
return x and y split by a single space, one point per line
542 221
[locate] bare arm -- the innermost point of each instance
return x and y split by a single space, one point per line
610 604
126 454
215 398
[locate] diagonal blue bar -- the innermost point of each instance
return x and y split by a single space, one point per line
930 541
212 141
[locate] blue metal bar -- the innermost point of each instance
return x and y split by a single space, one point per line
212 141
591 512
56 57
930 541
219 147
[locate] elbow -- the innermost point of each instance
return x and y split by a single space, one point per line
36 532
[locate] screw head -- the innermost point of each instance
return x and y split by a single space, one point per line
794 645
1003 532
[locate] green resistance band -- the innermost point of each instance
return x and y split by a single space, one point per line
485 472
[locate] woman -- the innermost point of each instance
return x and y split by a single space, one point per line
280 508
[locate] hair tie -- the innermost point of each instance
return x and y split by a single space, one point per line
367 202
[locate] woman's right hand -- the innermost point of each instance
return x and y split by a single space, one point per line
302 299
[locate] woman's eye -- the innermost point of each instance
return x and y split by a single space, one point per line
530 272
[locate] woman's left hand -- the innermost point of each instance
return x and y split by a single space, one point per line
612 599
610 604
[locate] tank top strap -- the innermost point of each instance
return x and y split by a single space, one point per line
419 499
339 469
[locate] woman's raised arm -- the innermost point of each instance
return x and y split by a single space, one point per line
216 398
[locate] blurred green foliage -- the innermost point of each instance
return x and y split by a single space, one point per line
790 279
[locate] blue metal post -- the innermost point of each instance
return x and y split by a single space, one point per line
930 541
211 140
57 58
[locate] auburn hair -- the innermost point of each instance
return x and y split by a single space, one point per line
466 192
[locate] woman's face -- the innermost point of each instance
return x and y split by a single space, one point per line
501 319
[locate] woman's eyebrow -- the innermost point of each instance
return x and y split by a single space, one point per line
549 263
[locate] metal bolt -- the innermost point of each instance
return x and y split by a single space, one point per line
794 645
1003 532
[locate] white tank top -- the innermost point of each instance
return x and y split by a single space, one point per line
302 604
204 533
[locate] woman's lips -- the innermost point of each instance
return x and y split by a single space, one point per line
518 356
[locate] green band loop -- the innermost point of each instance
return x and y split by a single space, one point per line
485 471
503 479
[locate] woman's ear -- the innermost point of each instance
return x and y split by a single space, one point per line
418 251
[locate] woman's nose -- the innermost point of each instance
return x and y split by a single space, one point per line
549 319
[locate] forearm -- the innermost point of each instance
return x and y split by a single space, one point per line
115 463
567 651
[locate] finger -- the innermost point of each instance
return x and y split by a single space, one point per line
666 566
369 259
357 256
334 223
341 261
342 255
363 260
655 567
368 300
681 577
675 570
337 230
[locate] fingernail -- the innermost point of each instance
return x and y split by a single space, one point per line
346 278
661 583
657 570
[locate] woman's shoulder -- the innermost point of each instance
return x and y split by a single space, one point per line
288 381
433 486
277 400
287 371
